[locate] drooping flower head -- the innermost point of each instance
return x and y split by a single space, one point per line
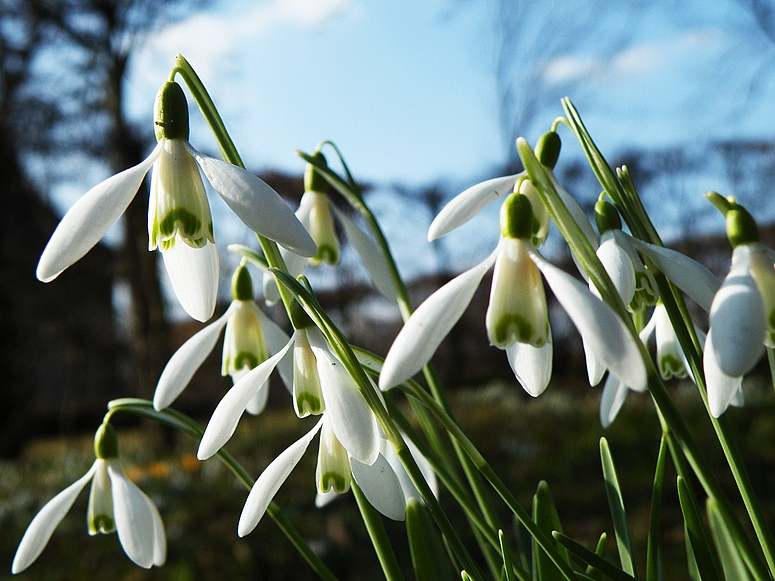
250 338
116 504
517 318
179 220
321 217
742 315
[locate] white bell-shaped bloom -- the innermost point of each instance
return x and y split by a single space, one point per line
250 338
179 221
335 470
116 504
516 322
742 322
318 216
351 418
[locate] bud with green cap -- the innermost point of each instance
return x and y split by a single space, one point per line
170 112
606 216
548 149
517 217
106 442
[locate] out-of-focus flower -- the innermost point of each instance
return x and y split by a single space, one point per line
116 504
179 221
250 337
319 215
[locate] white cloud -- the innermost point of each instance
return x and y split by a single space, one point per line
638 59
207 38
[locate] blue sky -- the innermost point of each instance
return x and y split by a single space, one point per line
406 89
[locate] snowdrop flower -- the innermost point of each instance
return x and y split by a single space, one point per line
517 316
336 468
634 283
317 214
250 338
671 362
320 384
179 221
742 315
115 504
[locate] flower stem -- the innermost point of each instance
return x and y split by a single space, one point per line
548 545
176 419
379 538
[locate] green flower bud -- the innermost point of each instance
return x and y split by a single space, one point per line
548 149
741 226
313 179
607 217
517 217
242 284
106 442
170 112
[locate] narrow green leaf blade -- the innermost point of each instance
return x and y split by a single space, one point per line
546 517
652 551
616 504
592 572
428 554
592 558
703 555
731 561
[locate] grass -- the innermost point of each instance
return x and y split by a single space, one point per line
552 438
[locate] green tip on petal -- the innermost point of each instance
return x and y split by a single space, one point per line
242 284
741 226
548 149
313 179
106 442
517 217
607 217
170 112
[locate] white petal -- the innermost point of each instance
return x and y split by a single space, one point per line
185 361
468 204
229 411
380 486
257 403
737 319
603 331
256 204
408 487
42 526
194 276
723 389
325 498
699 283
350 417
276 339
618 266
90 218
429 324
595 367
531 365
614 394
269 482
371 255
137 519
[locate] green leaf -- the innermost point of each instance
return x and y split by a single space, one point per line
508 558
731 561
428 554
592 572
652 551
700 547
592 558
616 504
546 517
